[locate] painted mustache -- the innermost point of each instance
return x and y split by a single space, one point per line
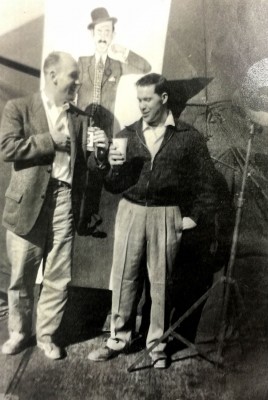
102 41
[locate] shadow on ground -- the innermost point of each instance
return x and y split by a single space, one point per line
85 315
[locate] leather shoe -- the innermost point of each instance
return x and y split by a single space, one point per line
51 350
103 354
15 344
159 359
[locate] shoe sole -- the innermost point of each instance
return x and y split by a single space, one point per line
159 360
98 359
101 359
160 364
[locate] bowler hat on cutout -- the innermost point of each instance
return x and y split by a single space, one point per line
99 15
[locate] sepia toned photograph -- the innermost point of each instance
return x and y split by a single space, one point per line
133 201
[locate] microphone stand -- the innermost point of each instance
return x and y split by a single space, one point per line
228 279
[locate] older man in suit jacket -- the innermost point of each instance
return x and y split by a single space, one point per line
45 137
100 74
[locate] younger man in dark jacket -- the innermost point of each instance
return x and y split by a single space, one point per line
167 186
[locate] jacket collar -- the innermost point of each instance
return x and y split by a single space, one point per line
137 128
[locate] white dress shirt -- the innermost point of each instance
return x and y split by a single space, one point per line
154 135
57 117
99 56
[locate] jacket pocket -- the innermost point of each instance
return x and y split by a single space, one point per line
13 195
12 210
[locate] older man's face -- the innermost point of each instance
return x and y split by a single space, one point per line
103 36
67 76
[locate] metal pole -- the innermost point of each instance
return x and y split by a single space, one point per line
230 267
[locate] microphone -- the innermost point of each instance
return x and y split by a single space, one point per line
254 93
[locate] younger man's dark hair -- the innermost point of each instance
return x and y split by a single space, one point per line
160 82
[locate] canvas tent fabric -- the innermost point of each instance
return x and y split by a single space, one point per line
209 47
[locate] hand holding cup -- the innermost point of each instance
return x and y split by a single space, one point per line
117 152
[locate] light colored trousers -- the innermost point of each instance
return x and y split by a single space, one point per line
51 239
138 229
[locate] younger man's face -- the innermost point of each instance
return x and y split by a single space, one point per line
151 104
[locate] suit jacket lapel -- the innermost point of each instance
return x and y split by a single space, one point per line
73 129
91 68
39 113
107 71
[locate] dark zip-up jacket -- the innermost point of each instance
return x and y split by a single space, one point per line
181 174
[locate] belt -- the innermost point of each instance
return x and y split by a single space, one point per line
58 184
